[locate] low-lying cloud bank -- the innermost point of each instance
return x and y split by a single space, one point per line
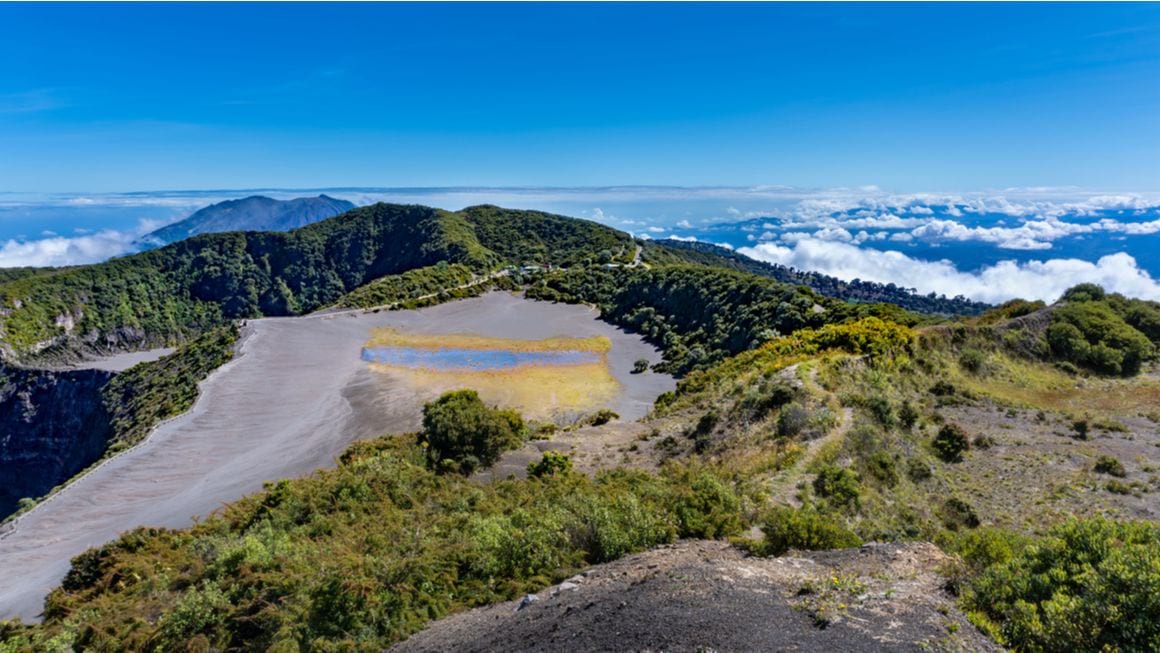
57 251
1005 280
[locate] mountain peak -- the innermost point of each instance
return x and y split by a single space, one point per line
253 213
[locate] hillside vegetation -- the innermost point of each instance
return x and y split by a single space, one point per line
167 295
815 422
59 423
700 316
676 251
359 557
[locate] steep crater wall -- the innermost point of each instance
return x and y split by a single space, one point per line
53 424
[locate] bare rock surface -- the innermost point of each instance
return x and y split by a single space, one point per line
709 596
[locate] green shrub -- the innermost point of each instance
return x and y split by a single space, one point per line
1118 487
918 470
1088 585
1091 333
840 486
640 366
462 434
972 360
882 410
199 611
881 466
705 506
943 388
957 514
1084 292
804 529
600 417
553 462
1109 465
765 398
908 415
792 420
985 442
1080 427
951 442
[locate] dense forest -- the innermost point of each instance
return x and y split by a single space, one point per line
673 251
166 295
699 315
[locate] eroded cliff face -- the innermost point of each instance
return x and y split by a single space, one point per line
52 425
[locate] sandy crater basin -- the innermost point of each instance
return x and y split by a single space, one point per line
297 395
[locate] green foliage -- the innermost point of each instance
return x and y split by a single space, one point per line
1084 292
673 252
958 514
882 411
792 420
697 315
951 442
461 434
881 466
1109 465
640 365
140 397
358 557
168 294
534 237
1118 487
410 287
972 360
1088 331
1088 585
600 417
552 462
838 485
803 529
706 507
907 415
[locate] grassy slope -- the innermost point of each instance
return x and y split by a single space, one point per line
400 545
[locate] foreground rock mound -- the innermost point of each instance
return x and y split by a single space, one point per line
696 596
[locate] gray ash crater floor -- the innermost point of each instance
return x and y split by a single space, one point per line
289 404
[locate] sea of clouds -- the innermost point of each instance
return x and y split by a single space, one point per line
989 246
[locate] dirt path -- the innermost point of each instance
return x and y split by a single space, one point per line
784 485
327 312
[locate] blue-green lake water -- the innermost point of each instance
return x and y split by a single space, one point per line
473 359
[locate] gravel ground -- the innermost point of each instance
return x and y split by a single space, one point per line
293 400
708 596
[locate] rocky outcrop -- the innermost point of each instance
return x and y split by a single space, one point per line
53 424
709 596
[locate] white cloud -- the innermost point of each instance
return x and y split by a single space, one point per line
56 251
684 239
657 230
685 224
1005 280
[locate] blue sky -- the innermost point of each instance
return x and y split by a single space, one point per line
994 150
906 97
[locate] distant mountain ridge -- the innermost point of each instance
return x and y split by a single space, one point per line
857 290
254 213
